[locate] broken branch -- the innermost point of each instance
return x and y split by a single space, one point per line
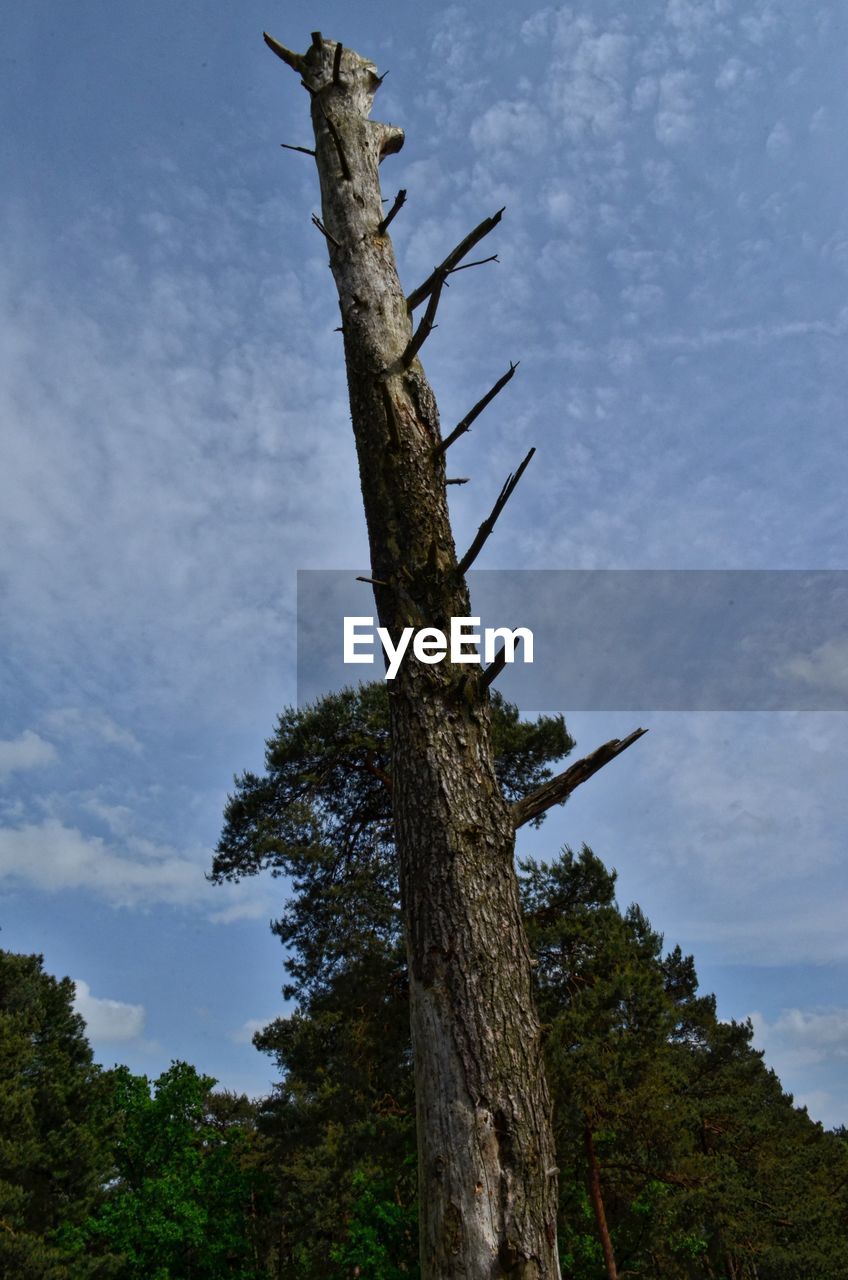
337 63
293 60
324 232
426 326
480 262
458 480
461 428
400 201
452 260
494 668
307 151
560 788
375 582
336 136
488 525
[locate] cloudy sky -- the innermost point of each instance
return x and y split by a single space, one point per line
176 444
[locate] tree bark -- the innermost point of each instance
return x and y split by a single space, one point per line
597 1199
487 1176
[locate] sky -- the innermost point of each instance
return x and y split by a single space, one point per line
176 445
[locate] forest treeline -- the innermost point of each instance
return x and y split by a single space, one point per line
679 1154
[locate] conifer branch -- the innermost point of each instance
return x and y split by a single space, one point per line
400 201
453 259
494 668
559 788
316 221
293 60
479 262
488 525
426 326
461 428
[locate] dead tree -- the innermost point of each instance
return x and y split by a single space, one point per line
487 1169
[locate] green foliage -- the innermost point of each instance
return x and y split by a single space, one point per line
706 1167
55 1127
705 1162
182 1203
321 814
381 1233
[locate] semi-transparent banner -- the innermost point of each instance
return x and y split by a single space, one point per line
614 640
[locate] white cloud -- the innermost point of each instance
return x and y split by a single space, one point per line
588 78
819 120
510 126
645 93
735 74
674 121
107 1019
136 872
696 23
117 817
826 667
817 1032
245 1033
736 825
28 751
808 1049
761 25
89 722
52 857
758 335
140 495
779 140
560 206
538 26
249 906
802 1038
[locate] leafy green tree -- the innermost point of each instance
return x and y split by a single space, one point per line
55 1127
183 1204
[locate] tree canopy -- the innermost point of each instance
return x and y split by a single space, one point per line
56 1127
680 1156
702 1164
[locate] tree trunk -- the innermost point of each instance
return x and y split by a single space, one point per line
597 1199
487 1177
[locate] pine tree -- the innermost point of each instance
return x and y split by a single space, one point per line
701 1163
55 1127
321 814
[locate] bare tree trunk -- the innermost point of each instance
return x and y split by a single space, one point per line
597 1199
487 1175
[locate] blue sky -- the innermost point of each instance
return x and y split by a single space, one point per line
176 444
